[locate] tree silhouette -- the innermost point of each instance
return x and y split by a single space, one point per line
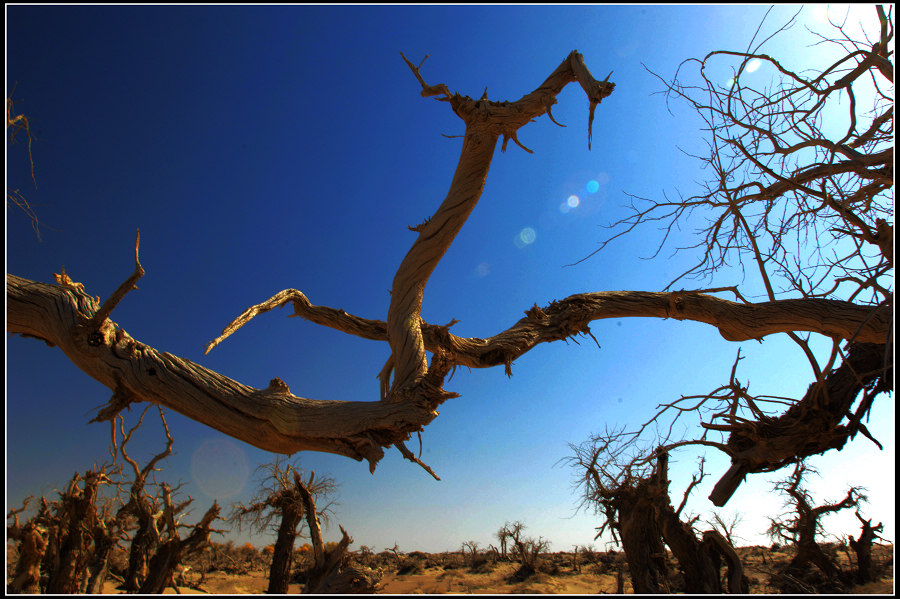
805 206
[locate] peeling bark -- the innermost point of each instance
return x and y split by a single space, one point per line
32 540
276 420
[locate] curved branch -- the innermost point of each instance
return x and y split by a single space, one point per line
570 316
276 420
485 122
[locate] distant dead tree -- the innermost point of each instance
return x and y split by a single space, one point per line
526 550
863 548
472 548
629 489
502 535
802 524
509 531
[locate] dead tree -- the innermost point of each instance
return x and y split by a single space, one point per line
802 525
172 548
324 575
630 490
786 190
107 530
699 559
142 507
863 548
472 548
619 489
509 531
285 497
14 124
725 525
65 546
502 536
31 539
77 519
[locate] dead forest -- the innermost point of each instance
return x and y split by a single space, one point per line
806 209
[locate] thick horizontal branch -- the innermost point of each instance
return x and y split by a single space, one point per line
272 419
276 420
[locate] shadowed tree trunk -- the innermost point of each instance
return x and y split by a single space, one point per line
699 559
79 516
141 506
282 556
641 538
285 496
633 497
172 551
32 543
802 526
863 548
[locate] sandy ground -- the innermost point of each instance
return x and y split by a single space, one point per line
498 580
431 581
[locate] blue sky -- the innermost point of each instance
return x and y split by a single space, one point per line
265 148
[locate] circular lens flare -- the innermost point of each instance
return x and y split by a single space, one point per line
525 237
220 468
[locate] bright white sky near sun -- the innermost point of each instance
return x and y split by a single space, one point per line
265 148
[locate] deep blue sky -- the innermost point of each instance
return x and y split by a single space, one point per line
264 148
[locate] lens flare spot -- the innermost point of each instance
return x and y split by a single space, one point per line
592 186
602 178
220 468
573 201
753 65
525 237
483 269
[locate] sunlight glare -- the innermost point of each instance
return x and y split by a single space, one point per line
821 12
220 468
753 65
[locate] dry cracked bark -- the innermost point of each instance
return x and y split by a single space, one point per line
276 420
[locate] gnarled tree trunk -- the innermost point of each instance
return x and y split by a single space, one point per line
863 547
174 549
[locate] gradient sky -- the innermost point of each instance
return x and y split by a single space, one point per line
265 148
